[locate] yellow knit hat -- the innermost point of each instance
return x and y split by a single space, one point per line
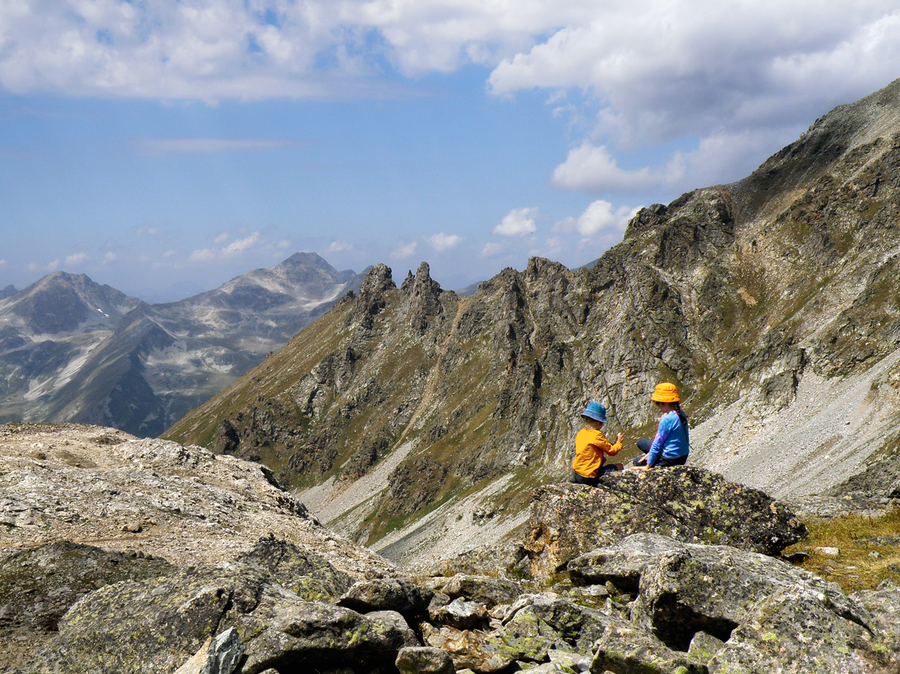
665 393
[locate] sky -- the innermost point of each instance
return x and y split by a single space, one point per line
164 147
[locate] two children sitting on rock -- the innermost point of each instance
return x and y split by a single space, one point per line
670 447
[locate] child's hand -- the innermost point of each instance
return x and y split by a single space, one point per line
620 438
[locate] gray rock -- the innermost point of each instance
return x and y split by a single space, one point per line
302 572
694 588
396 621
424 660
883 605
391 594
704 646
691 504
621 564
484 589
626 649
539 625
461 614
479 652
291 633
39 585
225 652
794 630
157 624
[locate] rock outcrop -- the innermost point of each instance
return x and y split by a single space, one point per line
216 596
85 507
690 504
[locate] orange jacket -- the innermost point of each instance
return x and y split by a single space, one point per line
590 449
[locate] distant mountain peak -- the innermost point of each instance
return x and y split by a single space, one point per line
304 258
99 356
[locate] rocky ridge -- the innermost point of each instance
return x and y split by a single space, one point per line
223 571
771 302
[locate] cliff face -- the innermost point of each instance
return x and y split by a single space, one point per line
772 302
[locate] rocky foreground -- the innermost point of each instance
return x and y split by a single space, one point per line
123 555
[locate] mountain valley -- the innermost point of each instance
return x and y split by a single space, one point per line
415 420
73 350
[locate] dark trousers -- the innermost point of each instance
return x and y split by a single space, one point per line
593 481
644 444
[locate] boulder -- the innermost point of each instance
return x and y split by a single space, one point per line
38 585
473 650
461 614
794 630
152 625
424 660
289 634
397 622
686 588
484 589
883 605
158 624
503 558
573 626
301 571
387 594
691 504
621 564
219 655
626 649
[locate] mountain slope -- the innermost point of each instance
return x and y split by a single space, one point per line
71 350
412 419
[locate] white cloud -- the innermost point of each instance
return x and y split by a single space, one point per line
75 259
240 246
50 266
628 75
518 222
203 255
492 249
110 257
172 146
441 242
594 168
339 247
599 217
233 249
403 252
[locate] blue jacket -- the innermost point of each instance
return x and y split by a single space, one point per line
671 439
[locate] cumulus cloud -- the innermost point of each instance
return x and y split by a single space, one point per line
339 247
233 249
441 242
405 251
594 168
518 222
76 258
714 83
599 216
50 266
492 249
240 245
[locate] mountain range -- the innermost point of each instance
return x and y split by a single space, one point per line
418 421
74 350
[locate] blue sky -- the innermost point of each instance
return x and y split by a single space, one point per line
165 147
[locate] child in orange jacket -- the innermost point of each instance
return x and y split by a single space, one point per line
592 447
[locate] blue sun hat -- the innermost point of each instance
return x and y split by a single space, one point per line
595 411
